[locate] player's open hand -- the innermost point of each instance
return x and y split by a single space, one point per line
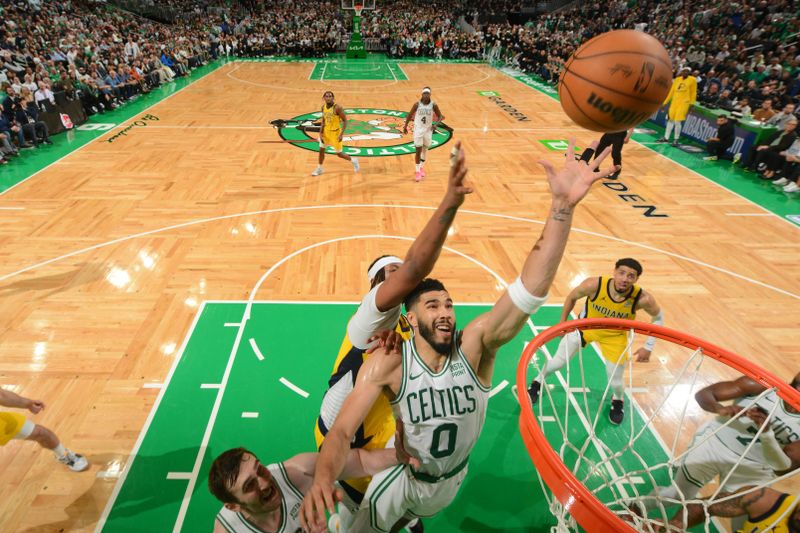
319 498
758 415
35 406
387 339
573 181
458 172
400 447
729 410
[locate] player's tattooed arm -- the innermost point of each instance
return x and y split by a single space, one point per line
561 214
739 505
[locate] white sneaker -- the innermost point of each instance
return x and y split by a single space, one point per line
356 165
710 158
792 187
74 461
782 181
317 172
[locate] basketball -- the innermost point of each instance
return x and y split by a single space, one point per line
615 81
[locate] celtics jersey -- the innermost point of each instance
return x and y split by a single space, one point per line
602 305
423 118
443 412
291 498
333 122
739 433
775 520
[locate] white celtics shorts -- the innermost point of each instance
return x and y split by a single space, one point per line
423 140
712 458
395 494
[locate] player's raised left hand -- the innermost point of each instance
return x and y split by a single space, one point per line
571 183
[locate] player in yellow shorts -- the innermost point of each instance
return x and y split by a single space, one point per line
766 509
334 124
617 296
391 280
682 96
16 426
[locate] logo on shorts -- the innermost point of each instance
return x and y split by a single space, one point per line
370 133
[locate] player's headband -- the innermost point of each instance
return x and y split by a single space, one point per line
426 90
382 262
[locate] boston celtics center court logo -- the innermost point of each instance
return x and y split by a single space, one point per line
370 133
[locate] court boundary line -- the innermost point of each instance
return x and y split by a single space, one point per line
647 146
150 416
132 118
388 206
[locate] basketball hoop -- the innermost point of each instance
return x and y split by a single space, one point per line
358 8
576 500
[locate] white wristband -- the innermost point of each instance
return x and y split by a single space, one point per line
525 301
658 320
773 453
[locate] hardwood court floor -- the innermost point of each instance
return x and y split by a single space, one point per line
195 207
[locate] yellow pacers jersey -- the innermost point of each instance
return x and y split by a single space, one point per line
775 520
612 342
683 94
378 426
333 122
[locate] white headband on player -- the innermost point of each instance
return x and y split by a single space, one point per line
381 263
426 90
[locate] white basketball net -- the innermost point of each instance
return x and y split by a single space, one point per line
358 8
617 471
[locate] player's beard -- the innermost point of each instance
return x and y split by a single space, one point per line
442 348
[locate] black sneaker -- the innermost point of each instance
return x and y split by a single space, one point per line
533 391
617 412
662 140
416 526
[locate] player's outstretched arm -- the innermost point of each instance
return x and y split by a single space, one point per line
376 373
12 399
649 305
709 398
484 335
425 250
588 287
748 501
358 463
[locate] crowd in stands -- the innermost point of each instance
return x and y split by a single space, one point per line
744 54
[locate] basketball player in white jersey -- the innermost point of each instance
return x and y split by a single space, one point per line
266 498
423 113
439 388
616 296
391 281
718 448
